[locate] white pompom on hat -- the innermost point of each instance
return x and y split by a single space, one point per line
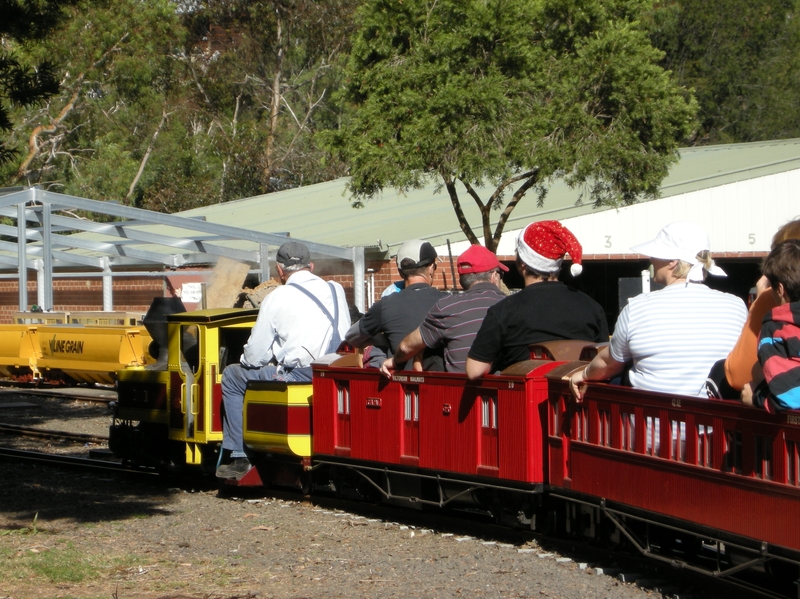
542 246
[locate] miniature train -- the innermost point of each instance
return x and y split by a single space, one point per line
706 485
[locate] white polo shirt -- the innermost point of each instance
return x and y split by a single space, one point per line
675 335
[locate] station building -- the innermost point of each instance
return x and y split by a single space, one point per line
741 194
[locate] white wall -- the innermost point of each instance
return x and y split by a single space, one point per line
739 217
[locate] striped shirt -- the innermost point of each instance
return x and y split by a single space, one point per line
454 321
675 335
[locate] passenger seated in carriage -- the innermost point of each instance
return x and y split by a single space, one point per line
393 317
728 379
454 320
779 341
673 336
545 310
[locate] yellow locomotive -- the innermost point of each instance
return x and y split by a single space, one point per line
169 414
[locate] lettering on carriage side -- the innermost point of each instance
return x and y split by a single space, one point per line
373 402
510 384
676 403
416 379
792 419
65 346
399 379
446 409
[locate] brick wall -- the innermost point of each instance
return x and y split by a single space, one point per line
130 294
134 294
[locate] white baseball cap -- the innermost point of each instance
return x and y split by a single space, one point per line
681 241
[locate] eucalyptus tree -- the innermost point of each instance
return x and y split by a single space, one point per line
512 93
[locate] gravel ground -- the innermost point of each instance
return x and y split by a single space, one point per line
67 533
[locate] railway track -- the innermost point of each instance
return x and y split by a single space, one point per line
25 431
71 461
103 396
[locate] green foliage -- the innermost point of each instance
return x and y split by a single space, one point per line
170 109
21 83
508 90
741 58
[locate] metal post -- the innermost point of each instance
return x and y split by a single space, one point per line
264 251
47 257
22 254
108 286
39 282
358 277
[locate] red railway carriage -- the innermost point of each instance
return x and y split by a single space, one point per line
434 438
716 470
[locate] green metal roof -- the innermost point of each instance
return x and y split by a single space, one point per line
323 212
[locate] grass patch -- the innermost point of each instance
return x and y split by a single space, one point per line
58 564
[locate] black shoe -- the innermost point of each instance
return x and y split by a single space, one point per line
236 469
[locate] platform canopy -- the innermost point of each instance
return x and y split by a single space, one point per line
72 235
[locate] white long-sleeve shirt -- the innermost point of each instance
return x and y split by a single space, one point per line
291 327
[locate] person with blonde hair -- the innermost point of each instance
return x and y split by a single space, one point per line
673 336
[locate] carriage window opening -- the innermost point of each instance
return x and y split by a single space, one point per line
231 345
653 436
763 457
678 430
555 418
489 412
343 397
628 431
791 463
582 418
705 447
604 422
190 347
733 452
411 404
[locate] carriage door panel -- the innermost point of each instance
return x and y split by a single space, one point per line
410 437
342 439
487 401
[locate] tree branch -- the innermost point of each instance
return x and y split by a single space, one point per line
33 141
533 177
146 157
462 219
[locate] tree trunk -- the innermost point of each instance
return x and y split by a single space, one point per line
275 105
147 153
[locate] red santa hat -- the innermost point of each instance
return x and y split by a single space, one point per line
542 246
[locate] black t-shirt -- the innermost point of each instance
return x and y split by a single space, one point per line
398 314
540 312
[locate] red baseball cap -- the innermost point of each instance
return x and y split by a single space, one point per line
478 259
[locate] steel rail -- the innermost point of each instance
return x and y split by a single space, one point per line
26 431
7 388
64 460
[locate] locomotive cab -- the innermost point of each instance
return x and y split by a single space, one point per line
170 415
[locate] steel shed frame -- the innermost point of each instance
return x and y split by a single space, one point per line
49 235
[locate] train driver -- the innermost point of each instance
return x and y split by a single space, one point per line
545 310
297 323
672 336
454 320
